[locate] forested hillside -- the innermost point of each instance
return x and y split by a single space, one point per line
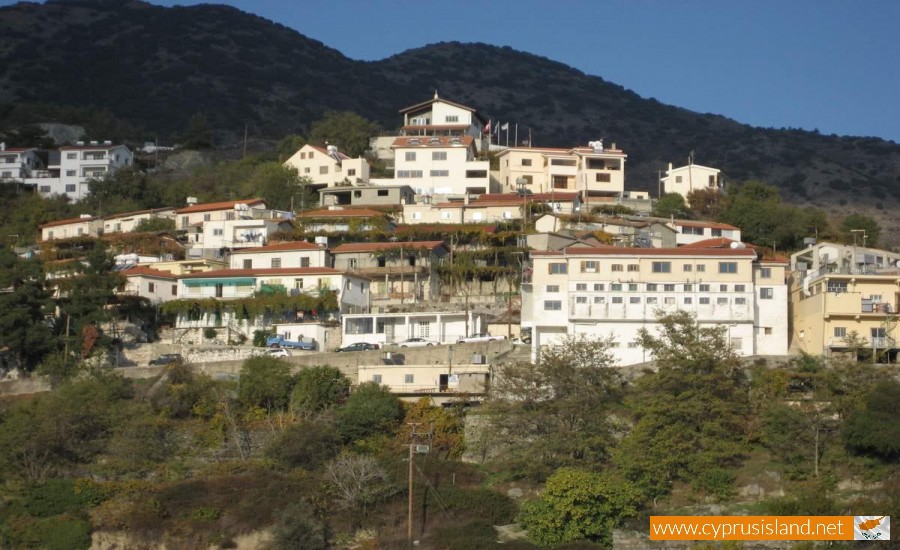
145 70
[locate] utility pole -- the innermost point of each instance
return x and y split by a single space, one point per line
414 434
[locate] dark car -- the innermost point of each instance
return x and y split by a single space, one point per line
359 346
167 359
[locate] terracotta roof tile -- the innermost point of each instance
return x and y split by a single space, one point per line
148 272
211 206
70 221
287 245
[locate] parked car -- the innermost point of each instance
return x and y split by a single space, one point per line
278 341
417 342
278 352
480 337
359 346
167 359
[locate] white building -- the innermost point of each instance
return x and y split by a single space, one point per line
439 382
389 328
326 166
442 165
155 285
77 165
693 177
595 171
615 292
126 223
691 231
284 254
83 226
19 163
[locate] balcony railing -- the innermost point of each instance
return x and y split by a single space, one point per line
878 342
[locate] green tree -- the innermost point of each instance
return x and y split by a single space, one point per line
446 425
24 334
370 410
348 131
556 412
299 529
289 145
274 183
671 204
265 382
154 224
198 134
873 428
319 388
706 204
756 208
308 444
853 224
579 506
690 414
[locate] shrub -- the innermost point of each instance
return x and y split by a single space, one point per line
59 496
483 504
307 445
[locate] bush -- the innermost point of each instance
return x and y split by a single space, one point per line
307 445
483 504
372 409
260 337
59 496
474 536
299 528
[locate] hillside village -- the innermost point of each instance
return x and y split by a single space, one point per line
573 273
475 266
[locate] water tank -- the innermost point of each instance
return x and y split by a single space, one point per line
191 200
322 241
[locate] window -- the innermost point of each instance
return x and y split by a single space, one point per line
304 262
599 299
306 170
581 299
376 378
581 286
599 287
704 288
603 178
439 155
409 378
409 173
589 267
276 262
634 300
712 181
71 155
440 173
662 267
716 232
837 286
727 267
410 156
526 162
687 267
651 287
688 301
562 162
229 215
218 231
552 305
652 300
723 288
669 288
357 194
70 173
45 189
151 287
669 300
740 301
765 273
617 299
688 288
632 287
451 118
634 268
840 332
417 215
207 217
704 301
351 172
248 264
677 179
615 287
70 188
740 288
323 169
722 301
617 267
302 155
558 268
174 290
766 293
552 288
701 268
560 182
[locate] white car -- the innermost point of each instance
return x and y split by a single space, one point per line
417 342
278 352
480 337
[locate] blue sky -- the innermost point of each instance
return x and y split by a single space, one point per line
833 65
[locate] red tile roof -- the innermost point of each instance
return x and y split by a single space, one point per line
325 152
211 206
712 225
345 213
139 212
620 251
264 272
369 247
718 242
69 221
287 245
433 100
147 272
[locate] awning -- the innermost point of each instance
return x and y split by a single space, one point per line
232 281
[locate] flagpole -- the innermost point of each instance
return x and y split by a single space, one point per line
516 141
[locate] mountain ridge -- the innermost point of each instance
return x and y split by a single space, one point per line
154 67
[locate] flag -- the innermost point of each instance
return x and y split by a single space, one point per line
487 127
505 126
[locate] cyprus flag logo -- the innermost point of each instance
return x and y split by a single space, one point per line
871 528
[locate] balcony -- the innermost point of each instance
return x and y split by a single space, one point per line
878 342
